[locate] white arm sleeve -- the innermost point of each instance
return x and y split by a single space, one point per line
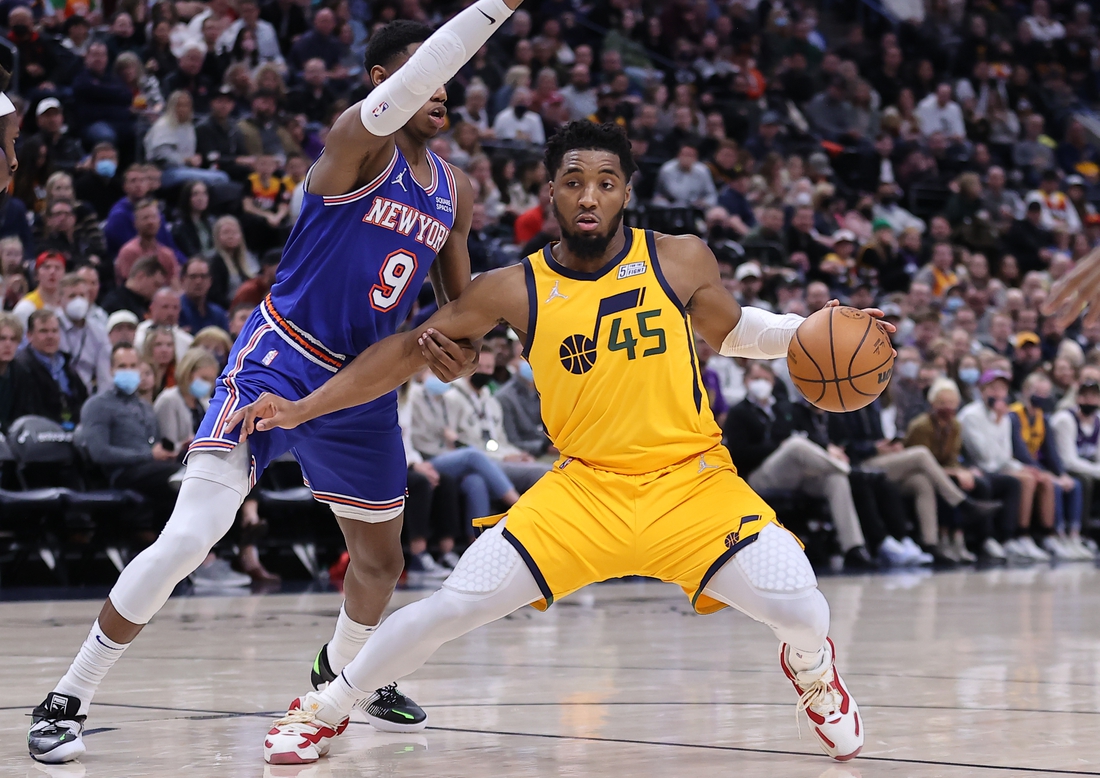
395 100
761 334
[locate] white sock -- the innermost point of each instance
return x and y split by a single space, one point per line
341 696
349 637
98 654
801 661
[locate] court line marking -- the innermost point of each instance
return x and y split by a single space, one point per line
741 749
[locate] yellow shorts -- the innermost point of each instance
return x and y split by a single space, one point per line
579 525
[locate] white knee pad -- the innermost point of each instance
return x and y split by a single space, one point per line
776 563
232 469
362 514
487 565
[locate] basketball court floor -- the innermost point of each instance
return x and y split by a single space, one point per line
970 674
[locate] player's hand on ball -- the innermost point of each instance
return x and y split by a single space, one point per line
267 413
874 313
447 358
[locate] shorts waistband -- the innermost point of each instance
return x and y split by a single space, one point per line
304 343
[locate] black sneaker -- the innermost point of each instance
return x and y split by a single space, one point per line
387 710
857 560
55 731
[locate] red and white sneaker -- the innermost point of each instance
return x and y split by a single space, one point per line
304 734
832 711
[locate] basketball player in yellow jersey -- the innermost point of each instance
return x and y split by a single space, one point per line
643 486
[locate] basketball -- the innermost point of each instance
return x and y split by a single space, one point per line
840 359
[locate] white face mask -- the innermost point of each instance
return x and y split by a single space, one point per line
759 389
77 308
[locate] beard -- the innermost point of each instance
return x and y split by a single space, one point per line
586 246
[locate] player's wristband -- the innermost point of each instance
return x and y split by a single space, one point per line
761 334
398 98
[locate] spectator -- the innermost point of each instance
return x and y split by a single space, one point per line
102 102
1076 432
218 138
159 352
188 77
37 61
146 244
287 19
519 401
938 113
1029 240
83 340
312 97
146 277
12 376
262 133
1058 211
758 432
121 327
53 389
252 292
193 229
79 246
179 410
1057 495
96 315
579 93
1001 202
831 114
120 226
263 34
171 143
238 316
164 315
685 182
1031 155
99 186
148 99
320 43
216 341
265 206
48 270
62 151
518 121
196 310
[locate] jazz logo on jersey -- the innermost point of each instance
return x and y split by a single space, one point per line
407 220
631 269
578 352
380 109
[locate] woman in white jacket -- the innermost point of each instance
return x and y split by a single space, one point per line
171 144
1077 438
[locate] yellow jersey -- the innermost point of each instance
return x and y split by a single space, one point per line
614 362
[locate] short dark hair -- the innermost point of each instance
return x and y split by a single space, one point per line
120 346
586 135
42 314
271 258
390 41
193 260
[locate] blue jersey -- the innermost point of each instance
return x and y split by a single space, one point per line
355 263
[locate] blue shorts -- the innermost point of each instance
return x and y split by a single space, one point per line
353 459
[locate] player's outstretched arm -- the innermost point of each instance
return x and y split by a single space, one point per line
500 295
365 128
1077 290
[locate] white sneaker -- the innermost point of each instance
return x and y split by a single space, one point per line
219 575
423 566
1029 547
917 555
1090 544
832 711
450 559
1081 550
963 552
993 549
1057 548
302 735
893 553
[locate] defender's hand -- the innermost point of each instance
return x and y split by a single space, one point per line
448 359
267 413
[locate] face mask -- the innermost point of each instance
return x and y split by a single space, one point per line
991 402
434 386
106 168
520 110
77 308
525 372
953 304
944 414
908 370
969 375
126 381
480 380
200 389
760 388
1044 404
1088 409
20 30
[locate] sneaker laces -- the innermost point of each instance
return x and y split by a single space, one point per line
820 691
387 694
297 718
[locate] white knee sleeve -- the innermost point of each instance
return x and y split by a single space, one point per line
395 100
204 512
232 469
487 566
772 581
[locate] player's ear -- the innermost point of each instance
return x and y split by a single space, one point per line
551 184
629 194
378 74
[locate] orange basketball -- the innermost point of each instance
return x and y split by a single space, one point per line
840 359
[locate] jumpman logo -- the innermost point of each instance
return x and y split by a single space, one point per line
554 293
400 180
704 466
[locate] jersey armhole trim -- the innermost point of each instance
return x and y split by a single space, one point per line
651 244
532 305
362 192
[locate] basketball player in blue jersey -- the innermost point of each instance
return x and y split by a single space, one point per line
379 210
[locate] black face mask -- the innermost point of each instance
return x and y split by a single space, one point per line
21 30
520 110
991 402
1088 409
480 380
1044 404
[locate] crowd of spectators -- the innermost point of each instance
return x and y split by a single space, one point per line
942 168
